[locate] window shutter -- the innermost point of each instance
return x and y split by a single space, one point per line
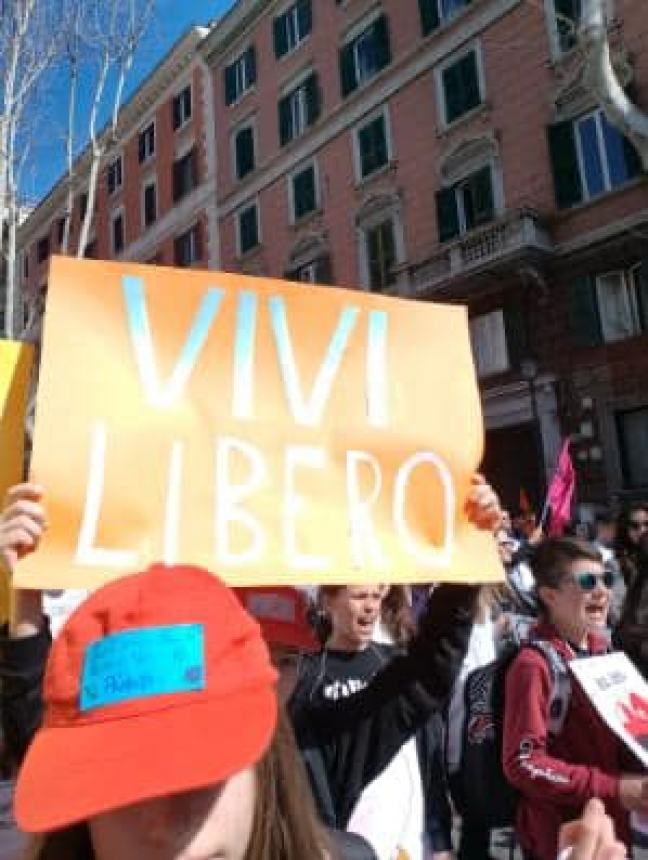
285 121
244 152
381 42
198 239
304 17
348 80
177 118
230 85
279 34
447 214
584 319
251 66
483 196
452 90
517 345
564 163
632 159
642 292
324 270
469 77
313 106
193 158
178 250
177 180
429 13
141 148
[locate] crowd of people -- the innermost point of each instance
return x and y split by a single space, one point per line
175 718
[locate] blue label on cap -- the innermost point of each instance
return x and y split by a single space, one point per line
149 661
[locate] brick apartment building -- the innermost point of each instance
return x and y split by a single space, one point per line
444 150
155 196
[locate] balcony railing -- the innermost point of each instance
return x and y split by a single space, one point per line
517 234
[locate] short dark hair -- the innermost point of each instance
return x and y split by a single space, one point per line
552 556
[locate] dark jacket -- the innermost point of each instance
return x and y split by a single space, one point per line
352 739
556 776
632 632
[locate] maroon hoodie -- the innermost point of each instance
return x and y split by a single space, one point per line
556 776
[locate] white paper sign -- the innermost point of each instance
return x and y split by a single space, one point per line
620 695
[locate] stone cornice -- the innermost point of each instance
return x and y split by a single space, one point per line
231 27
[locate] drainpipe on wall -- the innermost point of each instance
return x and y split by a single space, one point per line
602 79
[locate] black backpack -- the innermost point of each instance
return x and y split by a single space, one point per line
479 788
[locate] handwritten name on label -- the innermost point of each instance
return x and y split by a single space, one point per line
149 661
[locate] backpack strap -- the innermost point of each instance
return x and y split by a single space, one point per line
561 684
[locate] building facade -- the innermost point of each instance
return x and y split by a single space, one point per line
439 150
448 150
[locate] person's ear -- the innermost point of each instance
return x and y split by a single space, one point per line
547 596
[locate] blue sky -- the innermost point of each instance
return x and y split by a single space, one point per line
171 19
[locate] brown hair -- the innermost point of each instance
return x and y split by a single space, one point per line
396 615
552 556
285 825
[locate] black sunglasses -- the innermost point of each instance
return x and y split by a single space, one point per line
587 581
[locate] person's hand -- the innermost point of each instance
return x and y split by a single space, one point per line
483 506
22 524
633 793
591 837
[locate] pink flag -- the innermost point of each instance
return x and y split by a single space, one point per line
561 492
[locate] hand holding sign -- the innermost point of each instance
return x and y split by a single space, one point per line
269 432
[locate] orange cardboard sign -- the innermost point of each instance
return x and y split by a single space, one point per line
271 432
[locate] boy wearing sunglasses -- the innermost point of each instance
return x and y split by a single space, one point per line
556 773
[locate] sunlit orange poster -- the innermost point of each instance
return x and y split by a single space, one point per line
272 432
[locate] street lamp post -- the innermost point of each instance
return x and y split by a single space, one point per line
529 371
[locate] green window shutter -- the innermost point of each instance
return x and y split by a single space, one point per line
348 80
429 13
469 75
279 36
230 86
564 162
251 66
244 152
584 319
517 341
304 193
381 42
249 229
373 254
632 159
285 121
447 214
452 89
324 270
304 17
313 105
482 187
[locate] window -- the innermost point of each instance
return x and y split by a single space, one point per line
118 233
149 204
60 230
488 340
182 108
42 249
299 109
364 56
314 272
188 247
291 28
589 157
244 151
248 229
185 176
26 265
381 255
83 205
114 175
240 76
91 250
373 149
632 429
564 21
461 86
466 205
146 143
608 307
433 12
303 192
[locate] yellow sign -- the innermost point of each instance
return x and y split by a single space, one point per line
271 432
15 367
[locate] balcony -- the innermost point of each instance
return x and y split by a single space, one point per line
504 244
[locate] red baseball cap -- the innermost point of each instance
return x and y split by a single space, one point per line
159 683
282 613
